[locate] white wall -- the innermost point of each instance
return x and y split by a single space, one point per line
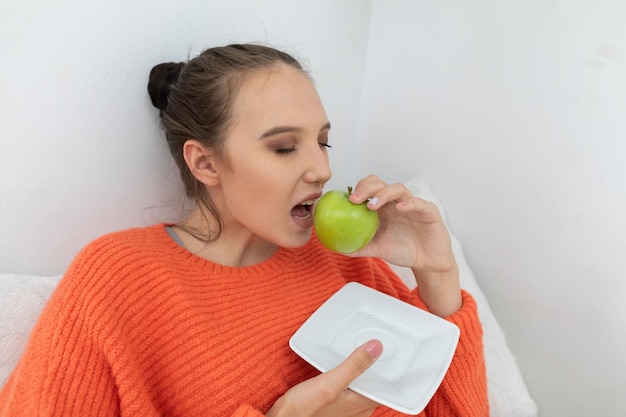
515 112
81 151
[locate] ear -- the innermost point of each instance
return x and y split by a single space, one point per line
201 162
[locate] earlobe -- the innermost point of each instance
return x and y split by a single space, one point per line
201 162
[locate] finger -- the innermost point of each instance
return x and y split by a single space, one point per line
366 188
358 362
394 193
416 204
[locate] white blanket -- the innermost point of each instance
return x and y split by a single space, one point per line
22 298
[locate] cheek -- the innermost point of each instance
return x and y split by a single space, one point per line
252 185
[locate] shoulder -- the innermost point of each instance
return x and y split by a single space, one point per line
112 267
134 236
111 257
124 243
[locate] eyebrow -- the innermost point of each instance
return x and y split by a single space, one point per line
286 129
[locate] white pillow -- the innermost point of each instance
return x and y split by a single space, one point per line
22 297
508 395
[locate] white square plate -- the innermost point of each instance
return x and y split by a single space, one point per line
417 346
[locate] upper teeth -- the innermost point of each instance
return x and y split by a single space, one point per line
308 202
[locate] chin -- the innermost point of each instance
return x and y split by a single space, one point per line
297 240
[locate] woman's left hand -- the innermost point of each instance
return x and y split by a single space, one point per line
411 233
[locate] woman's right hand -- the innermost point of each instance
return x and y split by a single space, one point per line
327 394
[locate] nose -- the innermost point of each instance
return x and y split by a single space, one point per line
318 166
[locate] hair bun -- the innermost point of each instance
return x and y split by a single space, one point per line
162 77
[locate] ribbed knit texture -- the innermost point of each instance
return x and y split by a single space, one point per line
141 327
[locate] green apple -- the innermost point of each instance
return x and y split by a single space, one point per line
341 225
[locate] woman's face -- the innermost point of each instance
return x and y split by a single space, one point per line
275 160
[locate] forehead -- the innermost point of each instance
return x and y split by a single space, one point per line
278 94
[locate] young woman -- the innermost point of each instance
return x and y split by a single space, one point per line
193 319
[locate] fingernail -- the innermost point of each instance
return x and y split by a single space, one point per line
373 201
374 348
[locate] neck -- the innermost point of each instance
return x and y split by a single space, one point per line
235 246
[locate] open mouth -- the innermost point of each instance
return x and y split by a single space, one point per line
303 210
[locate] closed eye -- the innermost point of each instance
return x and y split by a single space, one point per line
285 151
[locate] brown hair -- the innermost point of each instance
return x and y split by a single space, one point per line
195 102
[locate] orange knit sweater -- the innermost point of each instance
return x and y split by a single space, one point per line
140 327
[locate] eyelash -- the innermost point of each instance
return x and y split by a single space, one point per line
286 151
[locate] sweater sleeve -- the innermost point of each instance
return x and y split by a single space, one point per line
61 373
463 391
246 410
80 385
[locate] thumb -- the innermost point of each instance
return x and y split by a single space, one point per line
358 362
